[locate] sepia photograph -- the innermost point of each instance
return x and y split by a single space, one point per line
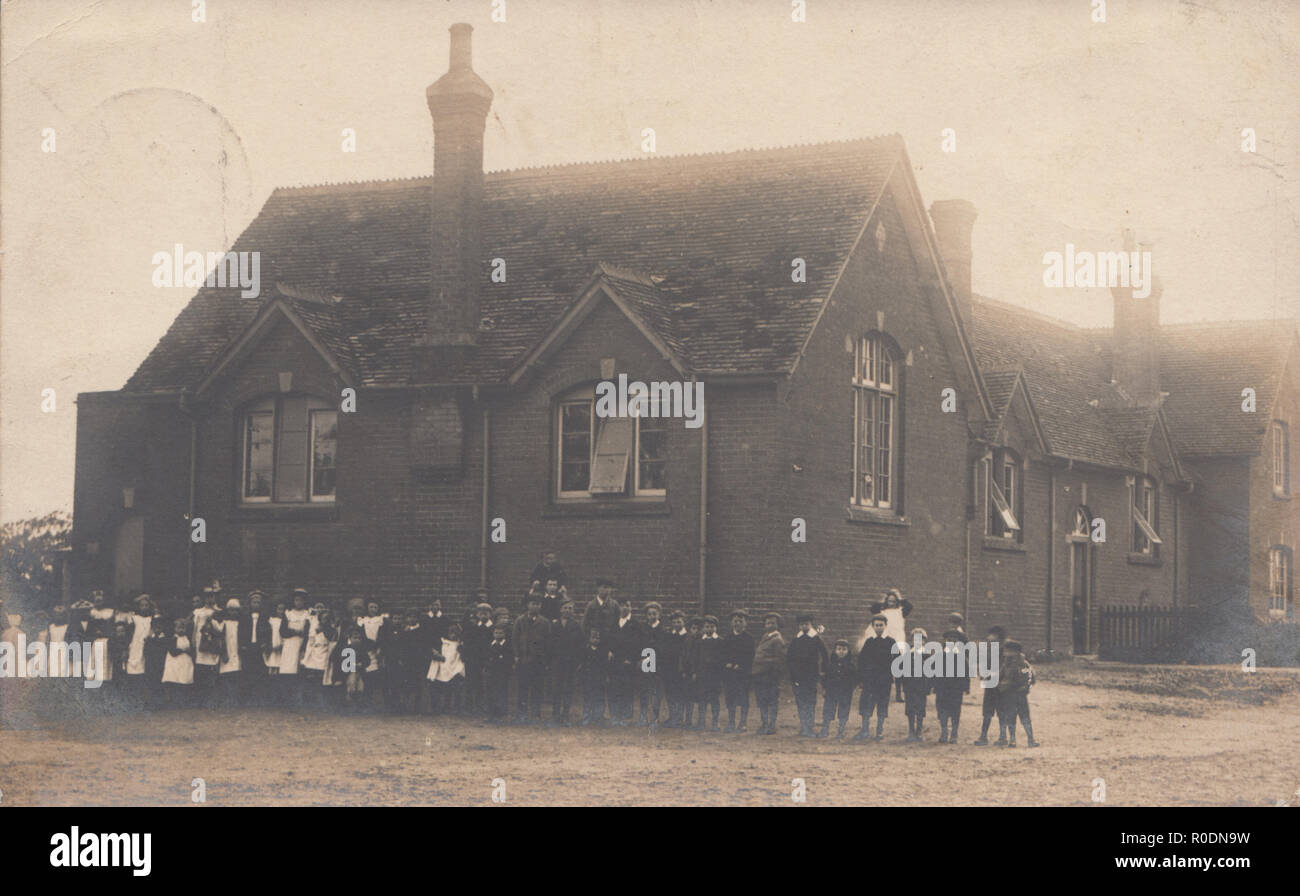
742 403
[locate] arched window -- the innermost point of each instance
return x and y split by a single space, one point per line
608 456
876 405
289 451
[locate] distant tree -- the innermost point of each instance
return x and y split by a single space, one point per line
30 562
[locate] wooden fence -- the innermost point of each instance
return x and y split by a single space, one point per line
1149 634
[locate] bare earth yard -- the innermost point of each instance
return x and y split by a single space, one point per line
1156 735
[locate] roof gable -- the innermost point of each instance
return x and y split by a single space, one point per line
719 231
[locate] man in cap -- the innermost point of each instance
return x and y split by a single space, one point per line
602 611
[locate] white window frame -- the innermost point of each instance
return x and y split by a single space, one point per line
634 490
1279 581
875 387
312 497
267 408
273 406
1281 457
1144 488
1005 500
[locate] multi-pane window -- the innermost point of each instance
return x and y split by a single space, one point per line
875 424
597 455
290 445
1004 488
1279 582
1145 538
1281 458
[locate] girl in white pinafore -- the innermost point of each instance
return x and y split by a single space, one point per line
276 623
178 667
57 633
101 628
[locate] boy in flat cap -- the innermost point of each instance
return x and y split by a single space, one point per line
649 679
737 663
807 659
839 680
769 660
568 645
949 689
669 662
602 610
624 643
475 638
706 667
996 635
874 671
1015 679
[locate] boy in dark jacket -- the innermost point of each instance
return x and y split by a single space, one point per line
916 686
624 642
499 662
737 659
669 661
567 653
807 658
839 680
769 660
706 670
997 634
951 688
593 670
1016 678
650 677
874 671
474 650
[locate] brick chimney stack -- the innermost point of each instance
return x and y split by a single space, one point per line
1135 354
954 219
458 102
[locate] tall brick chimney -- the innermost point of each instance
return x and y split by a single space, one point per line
1135 353
953 221
458 102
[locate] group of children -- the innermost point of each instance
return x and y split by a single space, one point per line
663 669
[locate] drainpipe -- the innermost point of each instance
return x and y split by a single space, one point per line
193 486
704 502
483 535
1051 553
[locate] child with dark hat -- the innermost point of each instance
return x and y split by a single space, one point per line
838 681
669 660
954 684
996 635
1016 677
769 660
737 662
807 659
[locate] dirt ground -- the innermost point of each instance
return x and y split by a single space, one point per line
1155 735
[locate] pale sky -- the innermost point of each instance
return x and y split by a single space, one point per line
171 131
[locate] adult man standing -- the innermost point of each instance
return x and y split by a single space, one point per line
602 611
532 643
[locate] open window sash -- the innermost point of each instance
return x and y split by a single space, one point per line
1004 509
613 453
1140 518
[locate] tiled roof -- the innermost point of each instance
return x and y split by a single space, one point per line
717 232
1001 385
1205 367
1064 371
